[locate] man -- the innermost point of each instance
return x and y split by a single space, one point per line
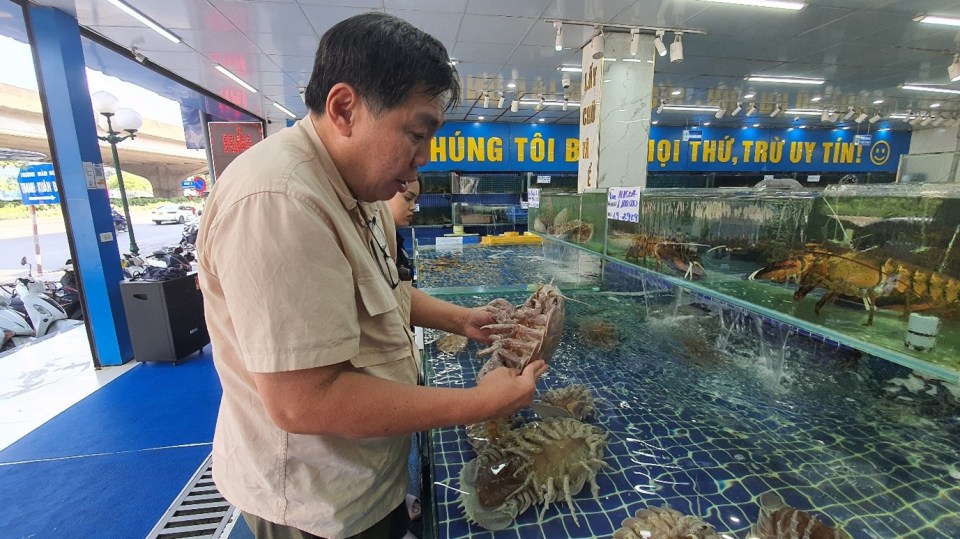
296 254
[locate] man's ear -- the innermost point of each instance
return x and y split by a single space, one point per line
343 107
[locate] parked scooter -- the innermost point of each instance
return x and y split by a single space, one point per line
41 315
119 222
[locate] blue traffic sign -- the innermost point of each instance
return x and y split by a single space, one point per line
199 184
187 184
38 185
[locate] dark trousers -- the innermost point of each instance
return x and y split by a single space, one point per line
393 526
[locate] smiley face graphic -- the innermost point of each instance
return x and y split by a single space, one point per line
880 153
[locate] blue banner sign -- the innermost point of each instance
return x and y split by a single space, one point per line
491 147
38 185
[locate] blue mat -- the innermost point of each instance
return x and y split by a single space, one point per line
110 465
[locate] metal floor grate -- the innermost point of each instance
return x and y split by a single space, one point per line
199 510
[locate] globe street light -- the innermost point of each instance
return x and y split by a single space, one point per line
106 105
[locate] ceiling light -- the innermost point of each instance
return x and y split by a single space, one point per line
559 44
953 71
756 125
720 112
676 48
284 110
833 116
500 101
736 111
926 121
751 110
749 96
541 120
566 101
660 106
849 114
875 118
824 115
935 105
877 101
481 117
776 4
514 85
147 21
676 92
597 45
658 43
933 19
634 41
899 116
686 108
546 103
568 69
784 80
776 110
706 124
860 117
805 112
486 100
815 99
655 122
539 106
935 89
514 106
453 62
235 78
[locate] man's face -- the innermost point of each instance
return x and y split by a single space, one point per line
389 148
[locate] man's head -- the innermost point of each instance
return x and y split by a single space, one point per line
377 95
385 58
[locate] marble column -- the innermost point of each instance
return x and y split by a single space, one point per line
615 112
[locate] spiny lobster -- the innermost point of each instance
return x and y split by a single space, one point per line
862 275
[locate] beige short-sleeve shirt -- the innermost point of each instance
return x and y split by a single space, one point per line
290 282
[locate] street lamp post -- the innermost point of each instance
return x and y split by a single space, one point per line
128 120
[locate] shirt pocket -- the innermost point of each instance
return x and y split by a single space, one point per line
384 344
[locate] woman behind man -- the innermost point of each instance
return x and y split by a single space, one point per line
402 206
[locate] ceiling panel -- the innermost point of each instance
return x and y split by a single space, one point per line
864 49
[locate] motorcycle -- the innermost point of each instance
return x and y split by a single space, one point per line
119 222
40 315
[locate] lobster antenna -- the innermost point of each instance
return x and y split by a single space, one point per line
835 216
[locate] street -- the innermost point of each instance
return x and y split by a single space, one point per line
16 241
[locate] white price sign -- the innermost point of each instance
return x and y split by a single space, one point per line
623 204
543 179
533 198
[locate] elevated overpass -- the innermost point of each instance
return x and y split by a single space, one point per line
159 152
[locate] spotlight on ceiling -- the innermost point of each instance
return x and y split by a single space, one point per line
634 41
559 43
597 44
720 112
515 106
939 121
926 120
875 118
486 100
676 48
658 43
776 110
539 106
660 106
500 101
825 115
566 102
751 110
954 70
833 115
861 117
776 4
736 110
849 114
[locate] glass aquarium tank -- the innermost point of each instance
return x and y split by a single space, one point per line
874 267
579 219
668 406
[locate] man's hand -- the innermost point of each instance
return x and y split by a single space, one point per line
476 318
505 390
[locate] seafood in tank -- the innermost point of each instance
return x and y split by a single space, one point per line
780 521
599 334
574 401
532 330
539 463
664 523
452 343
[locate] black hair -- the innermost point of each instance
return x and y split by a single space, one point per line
385 59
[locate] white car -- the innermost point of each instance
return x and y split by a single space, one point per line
173 213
